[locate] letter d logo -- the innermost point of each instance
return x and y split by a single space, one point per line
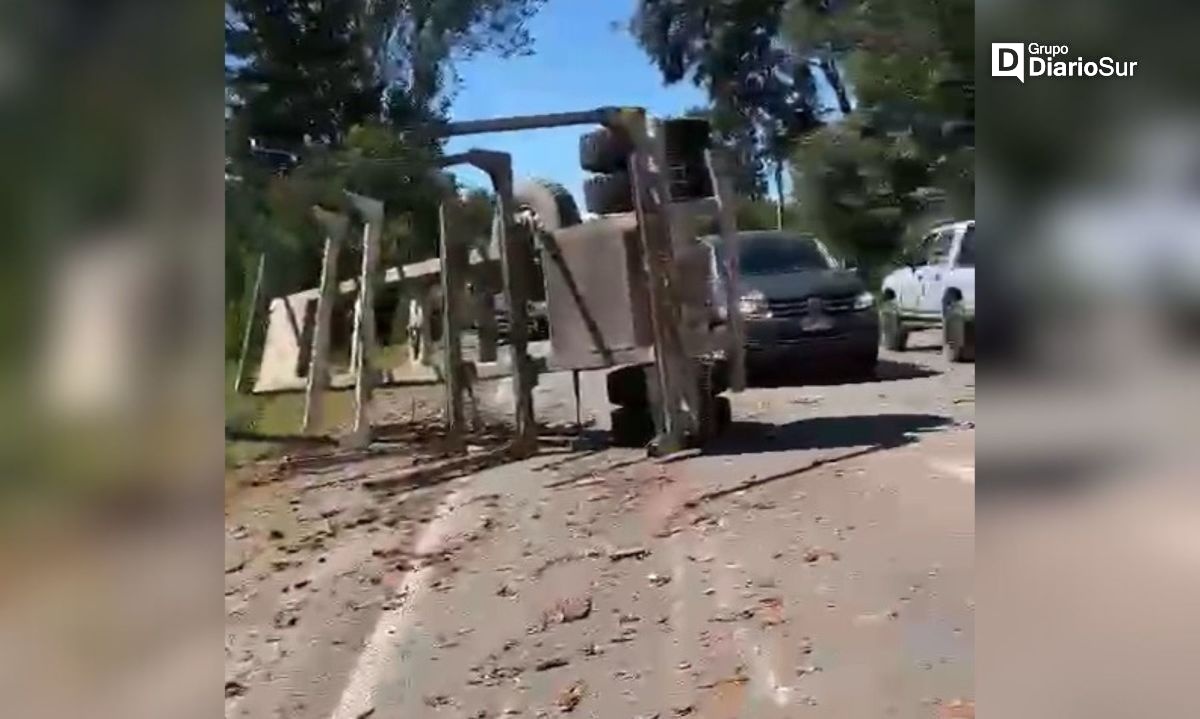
1008 60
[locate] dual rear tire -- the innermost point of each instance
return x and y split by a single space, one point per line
606 152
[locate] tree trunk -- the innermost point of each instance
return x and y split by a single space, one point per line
779 194
834 76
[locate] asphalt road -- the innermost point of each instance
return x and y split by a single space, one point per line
816 561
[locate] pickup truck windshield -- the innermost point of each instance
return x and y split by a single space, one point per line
774 254
966 253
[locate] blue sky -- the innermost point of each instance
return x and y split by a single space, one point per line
580 61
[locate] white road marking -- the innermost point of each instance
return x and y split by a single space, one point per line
359 695
963 471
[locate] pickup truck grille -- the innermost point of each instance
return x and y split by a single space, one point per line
799 306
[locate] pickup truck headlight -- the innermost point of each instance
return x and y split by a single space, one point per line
753 304
864 301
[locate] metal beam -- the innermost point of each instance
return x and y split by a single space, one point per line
678 405
598 116
335 225
718 168
498 167
452 305
257 306
364 317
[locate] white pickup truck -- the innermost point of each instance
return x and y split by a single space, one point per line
937 287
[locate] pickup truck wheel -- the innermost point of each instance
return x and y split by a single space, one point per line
723 409
891 329
956 344
631 426
867 363
629 386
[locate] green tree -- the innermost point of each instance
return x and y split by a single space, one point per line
346 86
298 72
731 49
905 155
418 42
765 93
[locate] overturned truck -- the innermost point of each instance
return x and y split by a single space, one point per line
633 290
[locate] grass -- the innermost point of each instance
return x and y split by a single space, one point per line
279 415
282 414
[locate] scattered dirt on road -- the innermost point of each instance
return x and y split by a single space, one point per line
813 562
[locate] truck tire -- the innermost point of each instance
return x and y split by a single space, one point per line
891 329
550 204
631 426
867 364
629 386
609 194
724 413
957 346
604 151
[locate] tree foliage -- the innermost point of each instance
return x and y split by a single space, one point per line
895 149
299 72
748 156
345 86
731 49
418 41
905 156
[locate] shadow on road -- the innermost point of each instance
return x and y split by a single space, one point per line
881 430
885 371
859 435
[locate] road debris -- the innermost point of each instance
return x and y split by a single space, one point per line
551 663
957 709
568 610
617 555
814 555
733 615
703 588
571 696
